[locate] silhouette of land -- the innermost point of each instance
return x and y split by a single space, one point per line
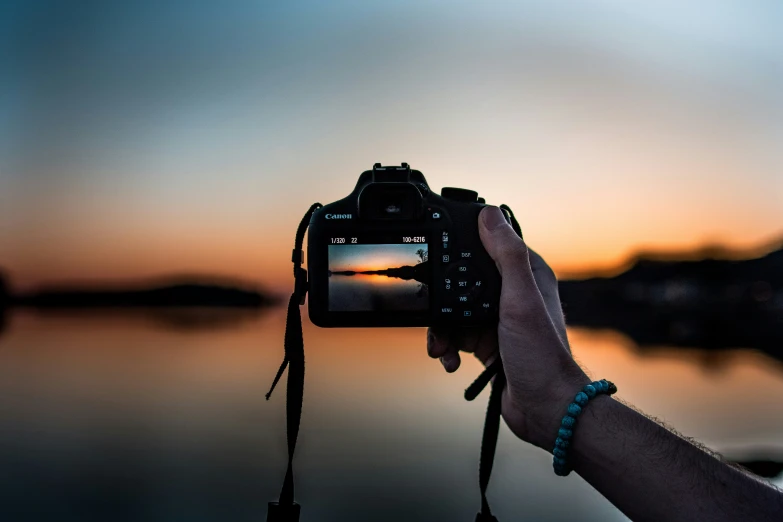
709 303
419 272
173 295
175 303
171 292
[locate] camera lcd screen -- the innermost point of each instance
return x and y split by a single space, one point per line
385 273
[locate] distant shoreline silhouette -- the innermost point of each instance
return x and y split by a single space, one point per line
181 304
173 291
710 304
172 295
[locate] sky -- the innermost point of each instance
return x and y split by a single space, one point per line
373 257
139 139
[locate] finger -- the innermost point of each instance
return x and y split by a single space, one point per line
440 340
504 246
464 339
437 343
520 297
445 344
451 361
439 347
481 342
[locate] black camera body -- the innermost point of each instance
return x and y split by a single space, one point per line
394 253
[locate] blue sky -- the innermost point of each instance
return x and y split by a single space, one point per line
146 137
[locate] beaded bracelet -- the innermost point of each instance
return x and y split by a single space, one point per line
566 431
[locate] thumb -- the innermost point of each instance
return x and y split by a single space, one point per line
503 245
520 300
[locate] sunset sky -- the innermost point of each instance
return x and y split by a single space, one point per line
361 258
139 139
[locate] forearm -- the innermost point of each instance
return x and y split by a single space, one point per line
650 473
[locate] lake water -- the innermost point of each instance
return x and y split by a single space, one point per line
133 418
373 292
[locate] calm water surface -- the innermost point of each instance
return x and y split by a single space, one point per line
376 292
133 418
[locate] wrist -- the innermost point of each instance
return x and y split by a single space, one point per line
556 408
539 419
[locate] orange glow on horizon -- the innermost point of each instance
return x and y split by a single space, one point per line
268 265
375 279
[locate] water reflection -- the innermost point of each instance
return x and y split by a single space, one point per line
113 419
192 319
376 292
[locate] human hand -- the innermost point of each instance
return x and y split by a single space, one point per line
530 337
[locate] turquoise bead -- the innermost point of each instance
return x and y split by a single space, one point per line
567 425
564 433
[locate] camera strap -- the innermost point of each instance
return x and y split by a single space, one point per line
489 438
286 510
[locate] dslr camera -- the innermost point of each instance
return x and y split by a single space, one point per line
395 253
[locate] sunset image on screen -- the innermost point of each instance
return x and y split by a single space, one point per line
378 277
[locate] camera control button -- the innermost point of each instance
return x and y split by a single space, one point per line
465 254
447 310
464 299
461 272
467 313
445 239
436 215
463 269
485 308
